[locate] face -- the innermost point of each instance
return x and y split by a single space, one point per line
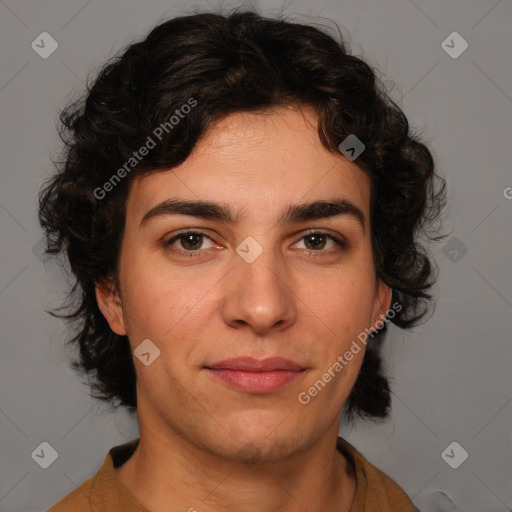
265 283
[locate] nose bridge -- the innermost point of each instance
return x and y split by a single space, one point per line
266 274
260 292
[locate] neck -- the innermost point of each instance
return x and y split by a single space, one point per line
169 469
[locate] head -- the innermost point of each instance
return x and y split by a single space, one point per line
243 115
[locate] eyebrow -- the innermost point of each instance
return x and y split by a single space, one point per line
295 213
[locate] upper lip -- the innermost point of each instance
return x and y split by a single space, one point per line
251 364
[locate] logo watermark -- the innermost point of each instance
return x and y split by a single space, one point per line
150 143
304 397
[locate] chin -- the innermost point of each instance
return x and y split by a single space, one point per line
269 449
257 443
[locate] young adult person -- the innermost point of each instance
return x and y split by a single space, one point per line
241 205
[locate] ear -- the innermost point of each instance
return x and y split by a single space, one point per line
382 302
110 305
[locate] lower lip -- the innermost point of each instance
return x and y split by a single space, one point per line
256 382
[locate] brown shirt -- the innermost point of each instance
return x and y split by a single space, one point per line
104 492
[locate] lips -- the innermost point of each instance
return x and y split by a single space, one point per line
257 365
256 376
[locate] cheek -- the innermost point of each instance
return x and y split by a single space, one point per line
344 302
167 307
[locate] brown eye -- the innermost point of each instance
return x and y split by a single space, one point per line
317 242
190 243
191 240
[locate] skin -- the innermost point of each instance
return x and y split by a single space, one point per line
205 445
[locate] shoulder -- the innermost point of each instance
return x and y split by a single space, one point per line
375 489
103 490
79 500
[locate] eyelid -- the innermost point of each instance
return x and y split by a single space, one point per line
337 238
333 235
193 231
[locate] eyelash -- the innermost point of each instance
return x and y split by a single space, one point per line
342 244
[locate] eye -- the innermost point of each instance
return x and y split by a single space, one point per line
192 241
316 241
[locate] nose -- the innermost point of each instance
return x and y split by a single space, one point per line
260 295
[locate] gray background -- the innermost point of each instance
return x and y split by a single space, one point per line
451 376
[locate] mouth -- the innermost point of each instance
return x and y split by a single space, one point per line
256 376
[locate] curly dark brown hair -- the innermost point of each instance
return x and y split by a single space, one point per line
231 63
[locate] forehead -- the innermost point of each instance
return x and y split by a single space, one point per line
256 162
